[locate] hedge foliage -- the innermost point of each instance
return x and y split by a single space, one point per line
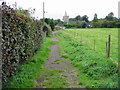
21 38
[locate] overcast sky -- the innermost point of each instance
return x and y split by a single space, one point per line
56 8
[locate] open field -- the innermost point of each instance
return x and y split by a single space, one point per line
100 35
95 70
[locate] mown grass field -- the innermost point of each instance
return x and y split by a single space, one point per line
100 35
95 70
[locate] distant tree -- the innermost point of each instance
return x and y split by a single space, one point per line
52 24
58 21
48 20
108 22
110 16
79 22
84 24
72 19
95 17
85 18
78 18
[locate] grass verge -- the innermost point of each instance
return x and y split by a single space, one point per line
32 69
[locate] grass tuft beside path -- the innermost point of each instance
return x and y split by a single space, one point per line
31 70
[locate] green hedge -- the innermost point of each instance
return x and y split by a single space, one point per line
21 38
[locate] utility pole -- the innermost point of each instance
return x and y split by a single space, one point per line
1 47
43 12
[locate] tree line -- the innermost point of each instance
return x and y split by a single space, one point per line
110 21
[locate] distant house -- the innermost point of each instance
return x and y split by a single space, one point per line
60 26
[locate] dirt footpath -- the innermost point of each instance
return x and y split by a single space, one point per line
55 62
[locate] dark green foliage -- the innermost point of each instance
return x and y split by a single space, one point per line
110 17
95 17
85 18
21 39
50 22
31 70
108 22
46 29
58 21
78 18
78 22
83 22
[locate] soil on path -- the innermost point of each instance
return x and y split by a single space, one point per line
55 62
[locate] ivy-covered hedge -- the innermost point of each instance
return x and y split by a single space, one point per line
21 38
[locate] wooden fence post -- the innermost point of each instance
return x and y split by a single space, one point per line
94 44
108 46
1 42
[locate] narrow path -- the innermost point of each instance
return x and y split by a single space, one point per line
55 62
